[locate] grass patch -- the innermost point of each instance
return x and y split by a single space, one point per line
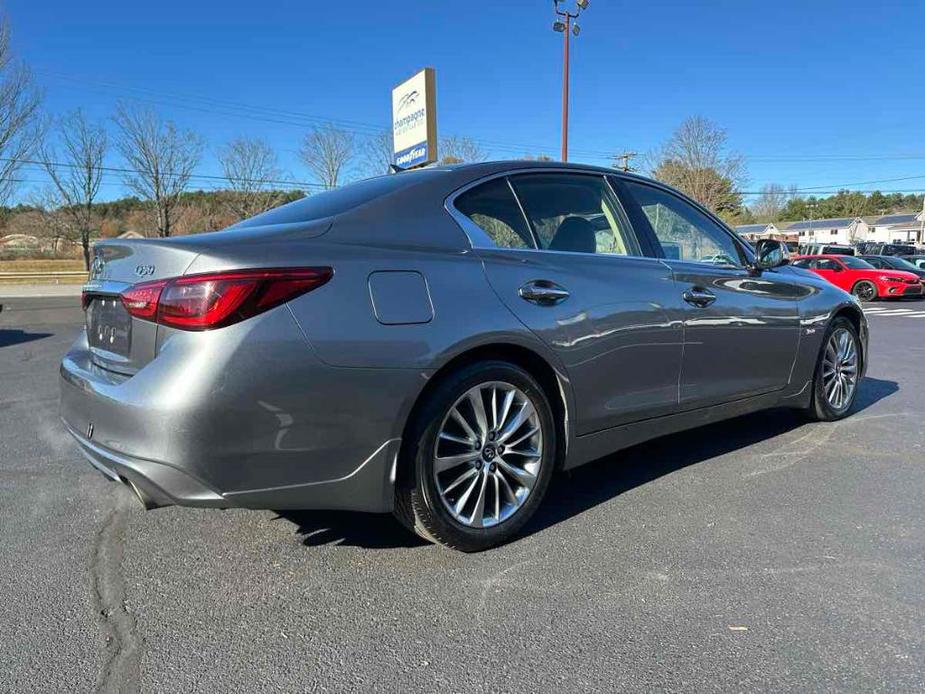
45 265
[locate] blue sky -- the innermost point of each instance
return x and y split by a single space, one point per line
793 82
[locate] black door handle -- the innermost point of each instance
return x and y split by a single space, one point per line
543 292
699 297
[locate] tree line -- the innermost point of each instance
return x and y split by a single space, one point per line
697 160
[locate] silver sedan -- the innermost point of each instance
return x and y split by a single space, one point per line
437 343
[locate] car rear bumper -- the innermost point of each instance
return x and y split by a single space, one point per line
231 420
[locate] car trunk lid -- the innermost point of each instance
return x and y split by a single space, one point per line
117 341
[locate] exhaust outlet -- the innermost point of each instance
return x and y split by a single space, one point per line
146 501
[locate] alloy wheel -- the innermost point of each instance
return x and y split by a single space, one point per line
488 454
865 291
840 369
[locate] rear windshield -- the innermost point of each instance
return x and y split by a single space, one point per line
334 202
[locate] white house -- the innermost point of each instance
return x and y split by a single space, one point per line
840 230
753 232
895 228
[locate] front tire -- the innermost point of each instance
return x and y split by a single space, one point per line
838 369
865 290
481 451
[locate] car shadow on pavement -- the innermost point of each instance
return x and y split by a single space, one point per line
873 390
346 528
588 486
8 338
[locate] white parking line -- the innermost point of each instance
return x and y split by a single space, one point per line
899 312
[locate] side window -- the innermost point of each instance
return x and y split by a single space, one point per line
827 264
802 262
492 206
576 213
683 231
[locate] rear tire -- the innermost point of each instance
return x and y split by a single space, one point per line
865 290
838 369
478 457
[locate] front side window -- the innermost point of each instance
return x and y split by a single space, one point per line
492 207
577 213
683 231
827 264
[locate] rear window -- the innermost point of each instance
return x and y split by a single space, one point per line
333 202
494 208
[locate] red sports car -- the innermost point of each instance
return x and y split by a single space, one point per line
860 277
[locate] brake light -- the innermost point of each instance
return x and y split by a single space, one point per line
216 299
140 300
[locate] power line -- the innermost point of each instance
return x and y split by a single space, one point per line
280 116
819 190
861 183
122 170
302 119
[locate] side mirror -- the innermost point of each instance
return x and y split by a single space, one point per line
770 253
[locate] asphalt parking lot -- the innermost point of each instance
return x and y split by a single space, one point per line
764 553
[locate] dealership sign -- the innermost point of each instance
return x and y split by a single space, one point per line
414 120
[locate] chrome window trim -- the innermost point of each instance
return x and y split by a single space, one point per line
479 239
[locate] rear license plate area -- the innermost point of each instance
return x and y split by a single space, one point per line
109 326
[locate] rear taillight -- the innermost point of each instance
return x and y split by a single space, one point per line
141 299
217 299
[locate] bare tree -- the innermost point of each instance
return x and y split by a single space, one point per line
695 160
251 169
328 151
770 203
458 150
378 153
161 158
20 130
76 173
56 224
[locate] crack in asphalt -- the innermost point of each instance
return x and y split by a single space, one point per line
123 645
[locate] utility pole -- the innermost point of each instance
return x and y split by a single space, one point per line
625 158
567 27
920 237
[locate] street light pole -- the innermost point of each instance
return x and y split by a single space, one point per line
567 27
565 76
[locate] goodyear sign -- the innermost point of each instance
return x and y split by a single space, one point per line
414 120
